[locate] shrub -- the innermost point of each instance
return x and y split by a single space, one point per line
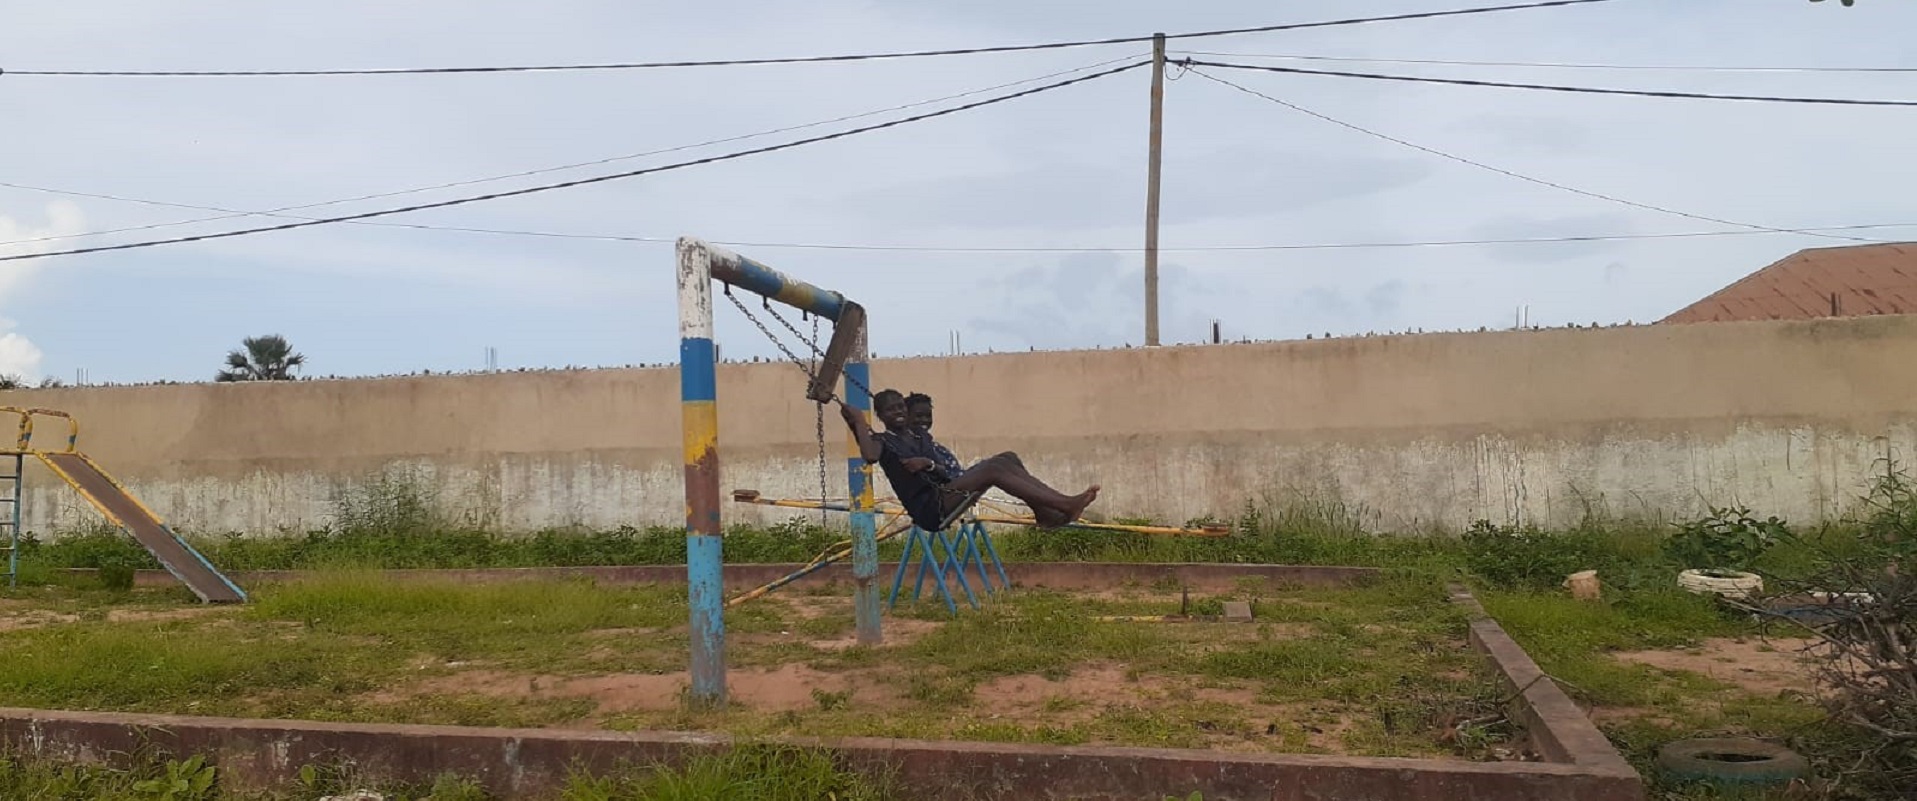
1728 538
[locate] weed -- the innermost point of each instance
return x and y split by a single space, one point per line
1726 539
116 575
394 501
191 780
829 701
1527 558
744 773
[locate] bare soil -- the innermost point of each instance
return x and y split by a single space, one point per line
1762 667
18 619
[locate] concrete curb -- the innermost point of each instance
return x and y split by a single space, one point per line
515 763
1053 575
1559 730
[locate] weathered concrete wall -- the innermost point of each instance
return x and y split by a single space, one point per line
1789 418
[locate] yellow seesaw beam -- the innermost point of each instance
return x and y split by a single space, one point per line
893 527
996 514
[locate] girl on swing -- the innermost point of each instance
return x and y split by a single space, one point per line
927 490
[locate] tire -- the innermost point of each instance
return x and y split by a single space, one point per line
1736 585
1751 762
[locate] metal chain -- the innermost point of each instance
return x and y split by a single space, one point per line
818 410
811 374
813 342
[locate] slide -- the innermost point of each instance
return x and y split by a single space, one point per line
119 506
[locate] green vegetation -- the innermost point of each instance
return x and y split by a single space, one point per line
1381 655
748 773
262 358
346 645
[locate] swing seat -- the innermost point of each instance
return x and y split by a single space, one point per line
846 335
964 508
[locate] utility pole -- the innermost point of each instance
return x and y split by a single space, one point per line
1151 190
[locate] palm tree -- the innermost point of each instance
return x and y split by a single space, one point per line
267 358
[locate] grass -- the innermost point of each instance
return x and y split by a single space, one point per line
747 773
347 646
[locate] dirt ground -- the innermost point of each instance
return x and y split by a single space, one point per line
1773 667
1763 667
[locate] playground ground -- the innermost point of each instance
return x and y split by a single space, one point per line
1338 671
1381 670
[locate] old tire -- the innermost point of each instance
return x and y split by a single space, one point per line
1728 583
1731 761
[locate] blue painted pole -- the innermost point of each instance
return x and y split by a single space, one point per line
698 396
858 474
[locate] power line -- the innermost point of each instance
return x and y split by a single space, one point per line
1542 240
594 179
1501 170
660 240
666 240
797 59
228 214
1545 64
1555 88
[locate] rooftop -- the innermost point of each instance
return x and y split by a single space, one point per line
1849 281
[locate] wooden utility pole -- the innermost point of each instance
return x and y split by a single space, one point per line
1151 190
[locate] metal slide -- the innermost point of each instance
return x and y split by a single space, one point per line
120 507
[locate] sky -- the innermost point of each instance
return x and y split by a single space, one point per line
1064 169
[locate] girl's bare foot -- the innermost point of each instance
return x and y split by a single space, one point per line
1049 518
1079 502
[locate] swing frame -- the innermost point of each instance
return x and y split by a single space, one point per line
699 265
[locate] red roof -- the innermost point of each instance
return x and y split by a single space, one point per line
1819 282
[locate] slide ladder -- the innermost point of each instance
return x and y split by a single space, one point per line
123 510
14 467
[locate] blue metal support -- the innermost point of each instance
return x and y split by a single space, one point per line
925 563
970 552
936 560
866 614
949 565
759 279
992 552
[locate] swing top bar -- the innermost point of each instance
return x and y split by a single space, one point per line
749 275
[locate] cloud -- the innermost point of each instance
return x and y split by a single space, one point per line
1385 298
1549 227
1094 300
1221 184
19 356
1527 132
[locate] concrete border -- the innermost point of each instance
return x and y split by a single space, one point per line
1579 763
515 763
1559 730
1053 575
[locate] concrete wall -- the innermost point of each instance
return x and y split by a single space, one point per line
1408 431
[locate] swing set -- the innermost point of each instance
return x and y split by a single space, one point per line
843 359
